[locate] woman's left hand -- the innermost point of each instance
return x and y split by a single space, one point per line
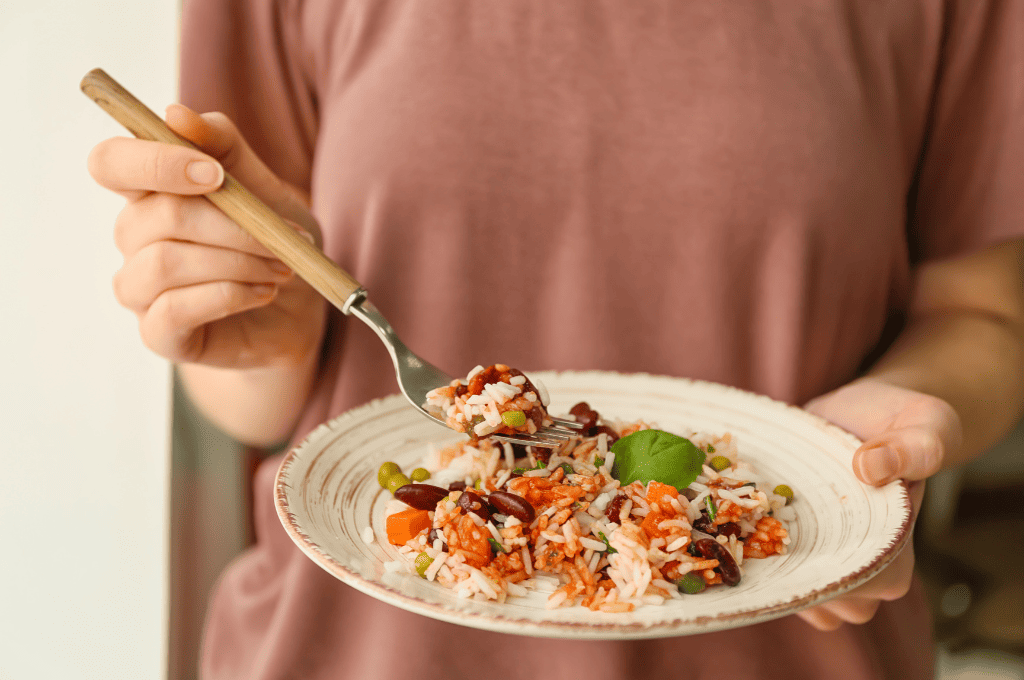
906 435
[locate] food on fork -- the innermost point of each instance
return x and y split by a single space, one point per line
621 515
492 400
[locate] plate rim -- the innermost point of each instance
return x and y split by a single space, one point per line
589 630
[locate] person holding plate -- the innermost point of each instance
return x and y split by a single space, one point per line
814 201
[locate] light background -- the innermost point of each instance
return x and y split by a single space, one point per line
85 408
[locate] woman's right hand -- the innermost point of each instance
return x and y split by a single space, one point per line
204 290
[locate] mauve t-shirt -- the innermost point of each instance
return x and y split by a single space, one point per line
730 191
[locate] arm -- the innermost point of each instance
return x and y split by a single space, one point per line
951 386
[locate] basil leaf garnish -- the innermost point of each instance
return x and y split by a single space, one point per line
661 456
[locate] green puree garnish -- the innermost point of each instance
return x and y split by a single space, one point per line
661 456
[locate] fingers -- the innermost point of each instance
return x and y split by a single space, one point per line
176 324
820 618
216 134
862 603
160 217
134 167
166 265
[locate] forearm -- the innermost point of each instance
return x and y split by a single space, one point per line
259 406
973 361
964 343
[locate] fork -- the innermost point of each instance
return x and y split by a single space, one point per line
416 377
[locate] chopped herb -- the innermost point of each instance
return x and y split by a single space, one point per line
712 510
478 484
567 469
540 465
608 545
599 461
496 546
711 449
518 471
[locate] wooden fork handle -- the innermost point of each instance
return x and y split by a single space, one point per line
232 198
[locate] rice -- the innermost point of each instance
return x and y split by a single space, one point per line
571 549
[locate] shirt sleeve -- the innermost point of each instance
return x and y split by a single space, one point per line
245 58
969 191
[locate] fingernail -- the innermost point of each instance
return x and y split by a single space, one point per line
205 173
879 465
280 267
263 289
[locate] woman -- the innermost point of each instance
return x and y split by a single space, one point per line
816 201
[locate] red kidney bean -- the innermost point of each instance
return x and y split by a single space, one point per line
729 529
456 486
508 503
420 496
471 502
615 507
702 523
711 549
585 416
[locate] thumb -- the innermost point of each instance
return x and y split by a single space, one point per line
218 136
909 453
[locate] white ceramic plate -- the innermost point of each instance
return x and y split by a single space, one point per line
844 533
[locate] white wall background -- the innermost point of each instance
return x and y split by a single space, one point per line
84 408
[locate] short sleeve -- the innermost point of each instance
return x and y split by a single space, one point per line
969 190
245 58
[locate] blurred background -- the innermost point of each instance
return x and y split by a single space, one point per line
120 505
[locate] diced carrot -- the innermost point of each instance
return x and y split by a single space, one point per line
650 525
406 525
657 491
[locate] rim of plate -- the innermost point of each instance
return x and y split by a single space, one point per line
574 629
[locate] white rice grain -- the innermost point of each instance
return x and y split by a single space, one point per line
435 566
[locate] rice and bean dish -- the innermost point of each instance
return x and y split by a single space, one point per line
620 516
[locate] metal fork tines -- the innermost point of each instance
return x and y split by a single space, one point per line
548 437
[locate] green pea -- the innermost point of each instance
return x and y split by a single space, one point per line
397 481
422 563
514 418
719 463
385 472
784 491
691 584
419 475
